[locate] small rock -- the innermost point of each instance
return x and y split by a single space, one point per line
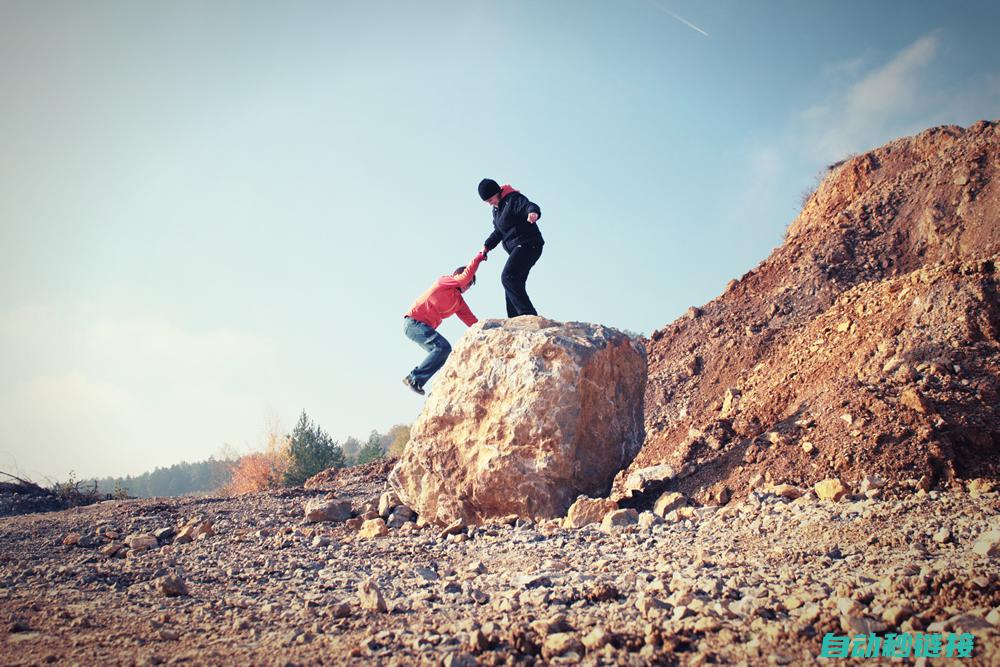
830 489
912 399
646 603
988 544
619 519
784 491
730 402
647 520
977 487
561 643
371 597
388 502
164 534
112 548
597 638
319 509
171 586
454 528
585 511
897 614
644 479
139 542
942 535
668 501
426 573
870 483
71 539
373 528
808 447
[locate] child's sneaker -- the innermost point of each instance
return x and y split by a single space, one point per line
408 381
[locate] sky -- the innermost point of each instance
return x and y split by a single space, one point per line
213 215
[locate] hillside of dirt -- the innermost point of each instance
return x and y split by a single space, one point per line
867 344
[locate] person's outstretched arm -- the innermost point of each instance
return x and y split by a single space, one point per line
463 279
492 240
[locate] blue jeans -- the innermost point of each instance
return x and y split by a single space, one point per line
437 348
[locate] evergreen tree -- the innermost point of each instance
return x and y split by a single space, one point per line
312 450
372 449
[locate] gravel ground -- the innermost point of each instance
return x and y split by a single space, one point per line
758 581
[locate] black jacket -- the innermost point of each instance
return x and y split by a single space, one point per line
510 223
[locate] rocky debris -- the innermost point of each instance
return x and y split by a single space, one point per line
326 509
830 489
764 575
195 528
585 511
551 409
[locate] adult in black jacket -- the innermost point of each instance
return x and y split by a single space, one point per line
514 223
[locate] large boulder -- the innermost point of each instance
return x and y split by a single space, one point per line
526 415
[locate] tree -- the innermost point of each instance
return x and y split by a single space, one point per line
351 448
400 434
311 450
372 449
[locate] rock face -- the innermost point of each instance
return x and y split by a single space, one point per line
526 415
867 343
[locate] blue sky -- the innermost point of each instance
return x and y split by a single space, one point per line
213 215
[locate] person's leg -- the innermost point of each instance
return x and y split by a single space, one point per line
437 348
514 277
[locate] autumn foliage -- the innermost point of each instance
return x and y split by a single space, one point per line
259 471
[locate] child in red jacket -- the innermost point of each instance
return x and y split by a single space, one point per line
441 300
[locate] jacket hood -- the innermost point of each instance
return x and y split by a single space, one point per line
507 190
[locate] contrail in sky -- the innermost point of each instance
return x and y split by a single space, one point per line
682 20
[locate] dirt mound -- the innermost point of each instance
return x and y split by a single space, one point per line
341 479
866 344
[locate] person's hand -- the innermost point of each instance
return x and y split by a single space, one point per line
482 253
532 217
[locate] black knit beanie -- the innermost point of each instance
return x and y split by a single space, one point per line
487 188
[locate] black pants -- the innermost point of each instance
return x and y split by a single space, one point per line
515 275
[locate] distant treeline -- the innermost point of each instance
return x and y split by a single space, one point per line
286 460
178 480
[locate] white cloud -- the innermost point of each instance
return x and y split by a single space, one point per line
866 106
871 110
112 396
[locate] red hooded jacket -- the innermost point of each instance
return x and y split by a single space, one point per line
444 298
